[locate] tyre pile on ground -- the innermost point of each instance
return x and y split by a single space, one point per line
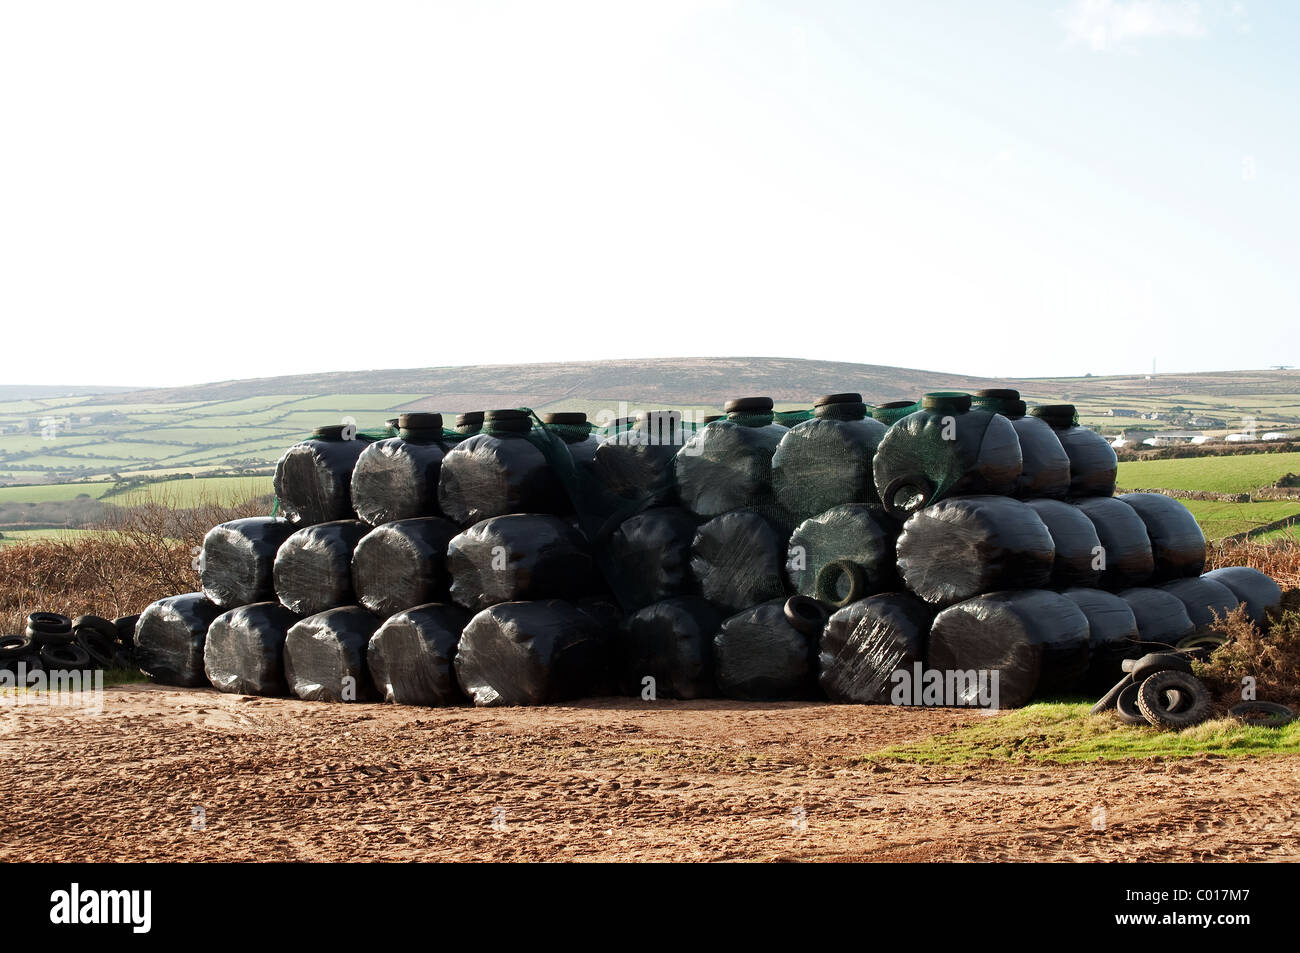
54 642
523 561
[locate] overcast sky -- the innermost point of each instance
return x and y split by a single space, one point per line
201 191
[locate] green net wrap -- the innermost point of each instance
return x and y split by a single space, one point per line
894 411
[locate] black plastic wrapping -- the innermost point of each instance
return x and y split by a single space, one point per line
236 566
866 641
826 462
1076 542
411 656
1177 543
727 466
244 653
397 479
966 545
1124 542
519 557
170 636
1045 466
402 564
1203 598
1161 616
530 653
493 474
1036 640
945 451
313 569
313 480
1257 592
759 656
738 560
670 641
637 463
648 558
325 656
854 532
1093 464
1112 635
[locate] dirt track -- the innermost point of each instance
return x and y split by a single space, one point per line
609 779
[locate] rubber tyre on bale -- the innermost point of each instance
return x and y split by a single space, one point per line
1191 707
1262 714
851 532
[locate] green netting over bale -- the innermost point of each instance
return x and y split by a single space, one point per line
826 462
945 449
791 418
890 412
728 465
866 641
850 533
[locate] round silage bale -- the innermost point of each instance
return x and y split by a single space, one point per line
647 559
1204 599
313 569
865 642
1177 543
1074 537
738 560
325 656
853 532
411 656
826 462
1093 464
1257 591
520 556
402 564
670 642
397 478
170 636
1126 548
1113 635
728 464
244 653
313 480
236 564
759 656
1162 618
498 471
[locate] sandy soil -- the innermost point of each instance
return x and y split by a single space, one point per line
168 774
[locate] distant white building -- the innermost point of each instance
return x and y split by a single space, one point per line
1239 438
1203 438
1275 435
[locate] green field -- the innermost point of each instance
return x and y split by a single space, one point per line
11 537
52 492
1239 473
1228 519
185 493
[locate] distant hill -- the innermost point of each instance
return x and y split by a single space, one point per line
10 392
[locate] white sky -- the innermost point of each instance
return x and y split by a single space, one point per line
201 191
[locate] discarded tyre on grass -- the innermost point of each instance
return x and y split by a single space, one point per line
411 656
530 653
1203 598
236 567
1126 548
945 449
671 642
1093 464
244 651
519 556
1045 466
759 656
1079 554
1257 592
852 533
865 642
738 560
826 461
397 479
648 558
1161 616
1177 543
966 545
402 564
170 636
728 464
1113 635
496 472
1037 642
313 480
313 568
325 656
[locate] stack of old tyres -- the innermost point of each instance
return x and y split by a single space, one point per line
1093 465
1045 466
947 448
397 478
826 461
170 638
313 480
500 470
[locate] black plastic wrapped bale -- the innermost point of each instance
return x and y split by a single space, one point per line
411 656
244 653
517 557
1093 464
313 480
313 569
1044 464
402 564
637 462
1161 616
738 560
759 656
1036 641
1112 635
728 464
498 471
325 656
1257 592
966 545
865 642
670 641
853 532
945 449
169 639
1078 548
1126 548
397 479
238 557
530 653
1203 599
648 558
826 461
576 432
1177 543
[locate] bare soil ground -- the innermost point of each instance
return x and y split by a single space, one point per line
164 774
